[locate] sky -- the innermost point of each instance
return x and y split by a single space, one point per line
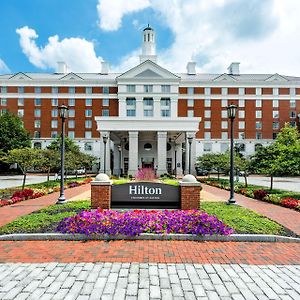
263 35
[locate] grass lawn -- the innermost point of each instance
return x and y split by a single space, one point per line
241 219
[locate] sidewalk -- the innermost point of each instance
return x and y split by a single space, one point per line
285 216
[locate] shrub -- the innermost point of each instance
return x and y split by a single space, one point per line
260 194
290 202
26 194
273 198
73 184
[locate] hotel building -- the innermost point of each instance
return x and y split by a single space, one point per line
152 117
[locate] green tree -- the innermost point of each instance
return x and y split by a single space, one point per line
26 158
12 133
69 145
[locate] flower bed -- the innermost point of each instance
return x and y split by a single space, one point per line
133 223
21 195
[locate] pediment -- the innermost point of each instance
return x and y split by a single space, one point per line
224 77
276 77
20 76
148 70
71 76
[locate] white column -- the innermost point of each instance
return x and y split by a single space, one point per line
107 166
133 152
178 166
122 107
161 152
193 153
117 162
156 108
139 108
174 108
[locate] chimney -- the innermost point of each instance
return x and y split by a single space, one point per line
61 67
104 67
234 68
191 68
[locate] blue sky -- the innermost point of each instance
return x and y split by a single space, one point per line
262 35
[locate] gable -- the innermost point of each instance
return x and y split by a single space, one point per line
20 76
71 76
148 74
276 77
224 77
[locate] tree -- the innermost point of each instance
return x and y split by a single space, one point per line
26 158
12 133
69 145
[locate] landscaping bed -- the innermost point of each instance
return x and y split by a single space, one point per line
275 196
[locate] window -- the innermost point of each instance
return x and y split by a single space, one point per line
275 91
88 134
258 147
54 134
165 88
71 134
275 103
190 90
71 124
130 112
54 102
224 91
54 124
88 90
258 91
37 102
275 114
224 114
71 102
292 103
20 113
207 91
241 147
3 89
105 90
293 91
71 113
3 111
207 124
37 113
148 102
190 102
241 114
88 113
241 135
224 102
130 88
54 90
105 112
105 102
207 114
275 125
224 135
258 103
207 102
37 124
258 125
37 145
241 124
71 90
148 88
88 147
88 102
20 102
148 112
54 113
293 114
3 102
292 123
241 102
224 147
130 101
241 92
37 90
224 124
258 114
207 147
165 113
274 135
20 89
258 135
165 101
190 113
37 134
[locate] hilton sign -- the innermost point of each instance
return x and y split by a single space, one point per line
139 194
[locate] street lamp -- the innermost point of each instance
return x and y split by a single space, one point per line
190 139
63 113
105 141
120 158
231 111
175 158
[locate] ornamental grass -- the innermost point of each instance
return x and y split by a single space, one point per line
136 222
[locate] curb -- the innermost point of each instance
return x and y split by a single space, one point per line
148 236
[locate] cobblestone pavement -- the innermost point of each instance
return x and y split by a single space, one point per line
148 281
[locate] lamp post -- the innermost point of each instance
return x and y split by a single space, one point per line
190 139
105 141
63 113
175 158
120 158
231 111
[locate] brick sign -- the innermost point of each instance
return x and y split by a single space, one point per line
139 194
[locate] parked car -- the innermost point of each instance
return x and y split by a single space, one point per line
201 172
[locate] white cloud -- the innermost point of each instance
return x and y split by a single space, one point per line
78 53
111 12
3 67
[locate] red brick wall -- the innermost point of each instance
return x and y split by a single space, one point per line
100 196
190 197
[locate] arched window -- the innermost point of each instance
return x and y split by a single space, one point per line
37 145
257 147
88 147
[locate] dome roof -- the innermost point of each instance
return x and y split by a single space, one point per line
148 28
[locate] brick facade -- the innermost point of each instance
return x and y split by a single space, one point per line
100 195
190 196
